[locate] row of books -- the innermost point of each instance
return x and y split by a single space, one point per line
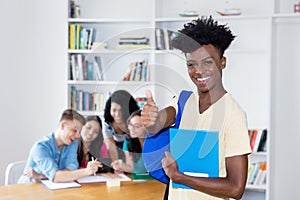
93 101
133 42
257 173
137 71
87 101
74 9
258 140
85 68
163 39
80 37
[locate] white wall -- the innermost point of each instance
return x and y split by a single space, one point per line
284 143
33 74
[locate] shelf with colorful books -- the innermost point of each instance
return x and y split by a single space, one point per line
257 176
258 160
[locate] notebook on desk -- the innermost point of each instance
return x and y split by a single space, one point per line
196 153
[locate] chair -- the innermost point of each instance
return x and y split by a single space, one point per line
13 172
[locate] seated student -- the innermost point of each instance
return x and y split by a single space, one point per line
55 156
133 146
118 108
91 145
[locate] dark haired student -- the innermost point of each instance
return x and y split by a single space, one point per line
212 107
55 156
91 145
118 108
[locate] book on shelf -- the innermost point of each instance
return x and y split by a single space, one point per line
74 9
98 70
159 39
163 39
261 175
137 71
257 173
80 67
74 67
86 101
258 139
85 68
72 28
132 46
134 40
80 37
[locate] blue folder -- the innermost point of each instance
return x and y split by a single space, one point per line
196 153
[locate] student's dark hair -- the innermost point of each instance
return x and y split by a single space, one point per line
125 100
70 114
134 145
203 31
95 148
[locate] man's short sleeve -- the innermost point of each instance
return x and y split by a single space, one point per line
237 139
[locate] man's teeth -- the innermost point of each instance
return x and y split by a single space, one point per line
202 79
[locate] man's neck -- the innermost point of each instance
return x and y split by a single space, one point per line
58 141
209 98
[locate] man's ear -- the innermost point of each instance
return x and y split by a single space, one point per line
223 62
62 125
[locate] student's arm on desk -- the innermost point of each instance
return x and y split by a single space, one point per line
232 186
119 165
32 174
67 175
111 148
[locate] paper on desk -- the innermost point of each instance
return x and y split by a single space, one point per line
55 186
101 178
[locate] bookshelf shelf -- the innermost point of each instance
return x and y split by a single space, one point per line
219 18
101 20
111 51
260 188
102 83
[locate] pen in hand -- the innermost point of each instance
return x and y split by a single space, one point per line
93 160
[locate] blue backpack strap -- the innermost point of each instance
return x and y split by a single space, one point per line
183 97
155 145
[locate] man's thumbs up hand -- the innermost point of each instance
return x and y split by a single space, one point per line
149 113
150 98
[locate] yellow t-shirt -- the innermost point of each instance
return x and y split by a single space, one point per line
229 119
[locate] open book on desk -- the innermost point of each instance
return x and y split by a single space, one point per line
103 178
55 186
196 153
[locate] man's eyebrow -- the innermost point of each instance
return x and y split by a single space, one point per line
192 60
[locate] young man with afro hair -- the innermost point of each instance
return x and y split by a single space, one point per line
212 108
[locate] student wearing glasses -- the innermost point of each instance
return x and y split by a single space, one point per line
133 146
